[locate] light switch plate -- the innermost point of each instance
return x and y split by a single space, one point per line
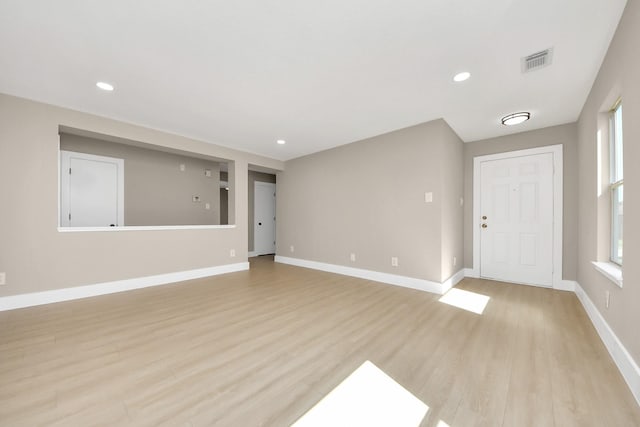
207 173
428 197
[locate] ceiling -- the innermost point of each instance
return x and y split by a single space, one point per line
315 73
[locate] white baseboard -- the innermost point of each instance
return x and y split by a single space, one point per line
46 297
376 276
470 272
453 280
566 285
621 357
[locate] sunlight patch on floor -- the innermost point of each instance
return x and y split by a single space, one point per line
367 397
465 300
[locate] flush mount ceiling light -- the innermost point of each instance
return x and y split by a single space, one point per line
105 86
281 141
515 118
460 77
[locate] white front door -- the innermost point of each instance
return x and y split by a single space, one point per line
264 209
516 219
91 190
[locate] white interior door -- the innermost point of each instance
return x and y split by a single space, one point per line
516 208
264 216
92 190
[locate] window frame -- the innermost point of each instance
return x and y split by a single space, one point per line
616 179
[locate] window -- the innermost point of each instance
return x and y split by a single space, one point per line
616 182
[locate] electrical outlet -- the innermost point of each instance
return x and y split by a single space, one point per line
291 248
607 299
207 206
182 167
394 261
232 253
455 261
3 279
353 257
428 197
207 173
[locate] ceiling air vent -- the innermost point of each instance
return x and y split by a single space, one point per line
537 60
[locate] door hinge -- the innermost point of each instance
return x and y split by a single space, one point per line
69 216
69 171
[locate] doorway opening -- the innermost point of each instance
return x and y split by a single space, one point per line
262 213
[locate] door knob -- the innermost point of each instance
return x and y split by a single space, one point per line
484 225
484 217
259 223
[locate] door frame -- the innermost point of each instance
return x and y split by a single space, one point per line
257 184
556 151
65 161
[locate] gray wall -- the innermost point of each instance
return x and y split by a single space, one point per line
367 198
563 134
253 177
618 76
156 191
37 257
451 185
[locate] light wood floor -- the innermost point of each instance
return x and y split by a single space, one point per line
261 347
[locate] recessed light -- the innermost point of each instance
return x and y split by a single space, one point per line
105 86
460 77
281 141
515 118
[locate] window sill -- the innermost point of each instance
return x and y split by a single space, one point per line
609 270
